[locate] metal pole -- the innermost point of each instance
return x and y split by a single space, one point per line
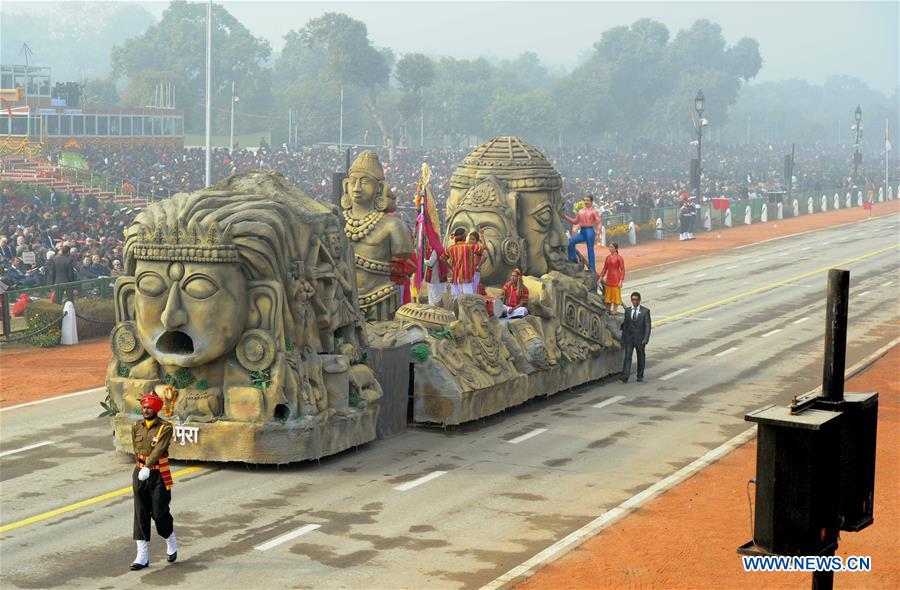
856 153
699 161
823 580
422 117
790 178
835 334
231 138
208 91
341 130
887 152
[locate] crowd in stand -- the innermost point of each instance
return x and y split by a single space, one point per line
36 227
647 175
652 175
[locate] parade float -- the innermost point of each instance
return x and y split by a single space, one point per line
261 317
467 362
239 309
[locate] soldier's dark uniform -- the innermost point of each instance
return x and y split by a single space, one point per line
152 496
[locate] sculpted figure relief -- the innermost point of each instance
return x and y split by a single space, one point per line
511 190
377 237
231 296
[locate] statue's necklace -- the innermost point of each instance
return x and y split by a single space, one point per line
357 229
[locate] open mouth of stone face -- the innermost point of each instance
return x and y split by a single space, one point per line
175 343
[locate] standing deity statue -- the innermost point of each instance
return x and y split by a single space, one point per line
377 237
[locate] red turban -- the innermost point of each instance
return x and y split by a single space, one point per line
151 400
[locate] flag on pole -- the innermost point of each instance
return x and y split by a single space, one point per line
427 228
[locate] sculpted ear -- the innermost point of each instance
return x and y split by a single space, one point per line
124 297
512 198
266 308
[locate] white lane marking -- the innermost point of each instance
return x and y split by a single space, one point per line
609 402
673 374
53 399
805 248
28 448
770 332
526 436
663 284
731 267
888 284
287 537
702 319
800 321
727 351
621 510
863 293
577 537
701 275
417 482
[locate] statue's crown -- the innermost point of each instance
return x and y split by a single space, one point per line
191 243
368 163
486 195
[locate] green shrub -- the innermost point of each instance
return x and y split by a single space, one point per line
39 314
100 314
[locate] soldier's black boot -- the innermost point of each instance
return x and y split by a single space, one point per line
171 548
142 559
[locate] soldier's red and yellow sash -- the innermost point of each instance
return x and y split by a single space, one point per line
162 465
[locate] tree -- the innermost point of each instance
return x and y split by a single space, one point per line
175 50
100 92
352 60
414 73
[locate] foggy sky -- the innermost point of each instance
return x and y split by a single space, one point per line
809 40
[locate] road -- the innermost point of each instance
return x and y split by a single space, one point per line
457 508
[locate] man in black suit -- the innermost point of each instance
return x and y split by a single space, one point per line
62 267
635 336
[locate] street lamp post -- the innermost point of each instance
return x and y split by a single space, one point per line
234 99
698 106
856 156
208 142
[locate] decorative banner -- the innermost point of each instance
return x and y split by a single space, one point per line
881 194
748 215
727 218
659 228
780 211
764 216
824 203
707 221
632 235
859 199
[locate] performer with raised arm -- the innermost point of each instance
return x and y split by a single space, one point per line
588 220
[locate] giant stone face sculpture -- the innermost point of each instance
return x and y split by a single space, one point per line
507 187
239 308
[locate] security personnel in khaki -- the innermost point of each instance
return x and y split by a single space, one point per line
152 481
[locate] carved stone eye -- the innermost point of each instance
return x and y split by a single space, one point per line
200 287
543 215
151 284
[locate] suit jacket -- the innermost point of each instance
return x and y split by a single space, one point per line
637 331
62 269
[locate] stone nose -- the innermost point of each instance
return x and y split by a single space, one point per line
174 315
